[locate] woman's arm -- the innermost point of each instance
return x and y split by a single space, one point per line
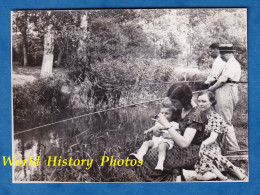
212 138
182 141
185 140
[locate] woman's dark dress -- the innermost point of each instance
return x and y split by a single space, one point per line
177 157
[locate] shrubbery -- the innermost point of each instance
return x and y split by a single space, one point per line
38 98
110 84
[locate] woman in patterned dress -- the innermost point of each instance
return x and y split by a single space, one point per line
211 159
185 151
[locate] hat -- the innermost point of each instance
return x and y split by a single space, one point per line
226 48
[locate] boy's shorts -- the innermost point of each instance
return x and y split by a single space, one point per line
158 140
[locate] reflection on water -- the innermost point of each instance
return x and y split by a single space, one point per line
108 133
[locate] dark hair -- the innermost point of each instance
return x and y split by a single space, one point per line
181 92
174 105
214 46
210 95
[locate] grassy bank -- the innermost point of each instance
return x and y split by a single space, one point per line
112 134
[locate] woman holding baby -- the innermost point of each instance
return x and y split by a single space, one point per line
185 151
188 148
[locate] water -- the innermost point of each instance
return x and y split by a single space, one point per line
114 133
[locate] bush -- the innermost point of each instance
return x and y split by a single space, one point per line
39 98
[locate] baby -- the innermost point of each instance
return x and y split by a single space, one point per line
161 138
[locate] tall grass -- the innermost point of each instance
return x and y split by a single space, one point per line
114 133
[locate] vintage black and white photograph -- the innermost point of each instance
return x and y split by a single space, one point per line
129 95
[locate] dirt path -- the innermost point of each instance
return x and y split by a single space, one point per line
21 75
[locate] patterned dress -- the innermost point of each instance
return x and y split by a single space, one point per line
176 157
210 157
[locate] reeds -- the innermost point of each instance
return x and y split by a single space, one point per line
114 133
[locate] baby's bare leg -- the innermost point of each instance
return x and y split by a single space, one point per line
162 148
145 146
142 151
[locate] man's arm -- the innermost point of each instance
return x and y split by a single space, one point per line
221 81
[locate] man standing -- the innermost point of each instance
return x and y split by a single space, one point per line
226 92
217 66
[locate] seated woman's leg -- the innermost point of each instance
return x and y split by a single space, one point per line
176 158
219 174
206 176
237 172
232 168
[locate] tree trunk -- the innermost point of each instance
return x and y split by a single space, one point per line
25 61
59 58
47 62
81 50
24 35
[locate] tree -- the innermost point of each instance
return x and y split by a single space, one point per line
55 28
20 21
47 62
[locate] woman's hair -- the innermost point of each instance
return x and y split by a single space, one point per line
210 95
181 92
174 105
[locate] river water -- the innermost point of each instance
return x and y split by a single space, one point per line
110 133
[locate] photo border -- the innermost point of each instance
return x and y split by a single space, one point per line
6 186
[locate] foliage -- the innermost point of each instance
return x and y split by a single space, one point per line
109 59
125 47
39 98
114 34
119 133
214 25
